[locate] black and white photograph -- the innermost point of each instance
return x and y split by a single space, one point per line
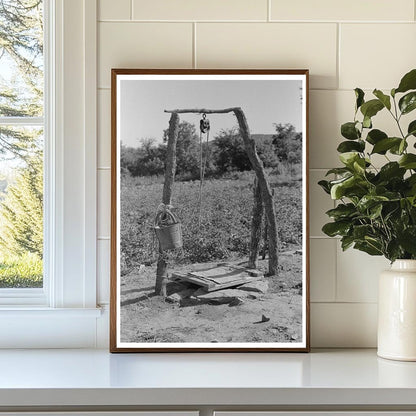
209 232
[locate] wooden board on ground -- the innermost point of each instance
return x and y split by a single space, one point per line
222 276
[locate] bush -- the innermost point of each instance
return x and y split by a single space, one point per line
21 271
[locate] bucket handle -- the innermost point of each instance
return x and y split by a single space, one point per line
168 213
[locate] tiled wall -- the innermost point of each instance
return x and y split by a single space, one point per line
344 43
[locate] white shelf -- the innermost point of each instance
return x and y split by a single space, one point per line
40 378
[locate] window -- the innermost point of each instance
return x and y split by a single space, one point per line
22 139
63 313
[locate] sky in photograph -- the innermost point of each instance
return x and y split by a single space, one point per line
142 105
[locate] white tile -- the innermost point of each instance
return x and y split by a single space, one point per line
104 202
200 10
323 269
272 45
103 271
376 55
357 275
340 10
114 10
104 129
319 201
143 45
328 111
343 325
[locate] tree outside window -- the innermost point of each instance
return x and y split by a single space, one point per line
21 143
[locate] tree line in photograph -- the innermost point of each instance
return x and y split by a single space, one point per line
225 153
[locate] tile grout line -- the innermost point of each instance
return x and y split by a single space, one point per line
269 10
338 63
336 271
308 22
131 9
194 63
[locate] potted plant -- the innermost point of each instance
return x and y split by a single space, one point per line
376 207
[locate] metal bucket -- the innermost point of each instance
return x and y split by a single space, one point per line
169 235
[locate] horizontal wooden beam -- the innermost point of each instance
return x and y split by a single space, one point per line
204 110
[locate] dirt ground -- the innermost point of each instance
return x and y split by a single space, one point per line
245 316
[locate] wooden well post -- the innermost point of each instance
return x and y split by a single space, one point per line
161 270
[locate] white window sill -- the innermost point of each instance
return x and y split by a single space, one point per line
328 379
41 327
36 312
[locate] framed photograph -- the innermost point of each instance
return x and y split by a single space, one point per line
209 211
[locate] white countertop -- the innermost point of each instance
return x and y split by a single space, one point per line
96 377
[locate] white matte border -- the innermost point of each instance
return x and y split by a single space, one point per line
217 77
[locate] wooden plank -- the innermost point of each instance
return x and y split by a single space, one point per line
193 279
221 277
232 284
231 276
250 271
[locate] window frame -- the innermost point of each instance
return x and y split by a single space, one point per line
38 296
65 313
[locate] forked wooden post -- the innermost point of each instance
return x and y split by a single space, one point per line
161 271
257 165
256 221
266 191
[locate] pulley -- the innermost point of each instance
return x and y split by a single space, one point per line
204 124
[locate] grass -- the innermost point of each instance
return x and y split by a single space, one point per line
24 271
224 231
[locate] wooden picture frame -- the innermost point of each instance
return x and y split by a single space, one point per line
209 211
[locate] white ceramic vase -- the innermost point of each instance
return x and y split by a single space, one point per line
397 312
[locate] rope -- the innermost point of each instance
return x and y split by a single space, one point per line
202 169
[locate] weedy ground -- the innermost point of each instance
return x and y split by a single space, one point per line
223 235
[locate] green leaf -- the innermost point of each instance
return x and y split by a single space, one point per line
361 231
325 186
393 250
371 108
359 95
398 149
375 211
375 136
348 158
368 248
367 122
346 242
349 131
385 99
383 145
359 165
391 170
368 201
411 130
408 102
336 228
339 188
408 161
407 240
408 82
338 171
349 146
342 211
